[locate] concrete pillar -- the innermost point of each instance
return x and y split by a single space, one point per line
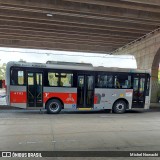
155 84
147 54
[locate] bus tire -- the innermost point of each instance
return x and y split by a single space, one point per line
119 107
53 106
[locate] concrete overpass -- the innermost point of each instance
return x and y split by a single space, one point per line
147 53
102 26
76 25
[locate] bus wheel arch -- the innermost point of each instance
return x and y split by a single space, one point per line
54 101
120 106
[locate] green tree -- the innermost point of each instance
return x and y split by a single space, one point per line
2 71
159 76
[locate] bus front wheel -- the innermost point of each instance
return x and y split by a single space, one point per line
53 106
119 107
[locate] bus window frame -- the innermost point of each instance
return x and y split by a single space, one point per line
113 74
24 75
119 74
59 71
103 74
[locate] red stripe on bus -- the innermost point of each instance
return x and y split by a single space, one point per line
67 98
18 97
95 99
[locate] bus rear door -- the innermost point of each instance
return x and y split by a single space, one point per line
34 89
139 90
85 91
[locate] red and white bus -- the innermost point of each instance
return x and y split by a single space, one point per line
76 86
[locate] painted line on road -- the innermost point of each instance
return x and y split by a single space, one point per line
68 140
112 116
14 118
31 142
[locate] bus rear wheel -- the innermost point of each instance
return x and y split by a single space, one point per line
53 106
119 107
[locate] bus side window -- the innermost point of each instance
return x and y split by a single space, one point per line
13 77
66 79
52 79
104 81
20 77
122 81
100 81
17 77
60 79
110 81
61 83
116 82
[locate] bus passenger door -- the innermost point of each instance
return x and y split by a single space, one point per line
85 91
34 89
139 86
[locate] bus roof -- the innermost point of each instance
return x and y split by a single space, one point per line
73 66
116 69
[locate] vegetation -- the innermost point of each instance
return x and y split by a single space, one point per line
159 76
2 71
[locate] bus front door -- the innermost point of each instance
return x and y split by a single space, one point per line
34 89
85 91
139 87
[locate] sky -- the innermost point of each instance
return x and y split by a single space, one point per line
42 56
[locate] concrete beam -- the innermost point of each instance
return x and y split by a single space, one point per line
150 2
68 36
78 19
85 9
122 4
54 45
36 39
12 23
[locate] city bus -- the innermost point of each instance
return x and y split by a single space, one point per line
55 86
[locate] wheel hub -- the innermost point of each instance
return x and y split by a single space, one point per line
120 107
54 106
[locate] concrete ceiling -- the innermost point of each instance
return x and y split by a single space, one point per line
76 25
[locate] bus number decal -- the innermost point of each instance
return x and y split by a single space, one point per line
18 97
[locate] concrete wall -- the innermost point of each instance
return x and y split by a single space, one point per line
147 54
